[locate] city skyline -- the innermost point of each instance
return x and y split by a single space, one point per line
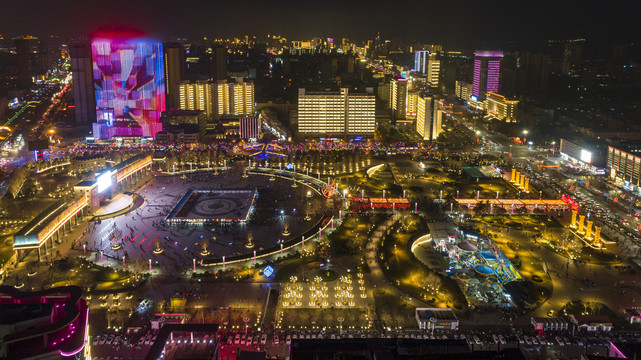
461 25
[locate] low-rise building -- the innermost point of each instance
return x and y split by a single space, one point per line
501 108
436 318
633 315
47 324
546 324
591 322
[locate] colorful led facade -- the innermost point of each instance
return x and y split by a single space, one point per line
487 69
129 81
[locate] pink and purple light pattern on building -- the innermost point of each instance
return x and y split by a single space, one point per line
129 86
487 70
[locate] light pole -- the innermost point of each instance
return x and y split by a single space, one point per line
246 321
340 325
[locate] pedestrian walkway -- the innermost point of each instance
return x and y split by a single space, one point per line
377 276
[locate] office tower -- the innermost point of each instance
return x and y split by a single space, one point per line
429 117
398 97
433 70
174 73
336 113
501 108
24 62
420 61
249 128
219 63
197 95
129 80
487 68
82 75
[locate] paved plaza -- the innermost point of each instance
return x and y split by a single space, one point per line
278 214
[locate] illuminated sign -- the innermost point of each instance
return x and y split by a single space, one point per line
268 271
104 181
586 156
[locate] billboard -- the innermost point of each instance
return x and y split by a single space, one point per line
129 83
104 181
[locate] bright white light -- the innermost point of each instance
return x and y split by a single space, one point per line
104 181
586 156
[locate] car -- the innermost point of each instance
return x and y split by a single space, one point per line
237 339
551 313
96 339
275 340
102 340
333 336
116 340
477 341
243 339
308 336
256 340
502 340
295 336
527 340
263 339
141 341
495 338
230 338
288 340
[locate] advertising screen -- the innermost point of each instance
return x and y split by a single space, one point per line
104 181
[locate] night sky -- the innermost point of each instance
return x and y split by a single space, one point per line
453 23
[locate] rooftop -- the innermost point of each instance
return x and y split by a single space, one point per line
437 313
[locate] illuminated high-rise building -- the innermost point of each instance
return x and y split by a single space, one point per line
129 80
197 95
84 98
217 99
433 70
412 103
398 97
336 113
174 73
463 90
420 61
361 114
487 69
429 117
234 98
